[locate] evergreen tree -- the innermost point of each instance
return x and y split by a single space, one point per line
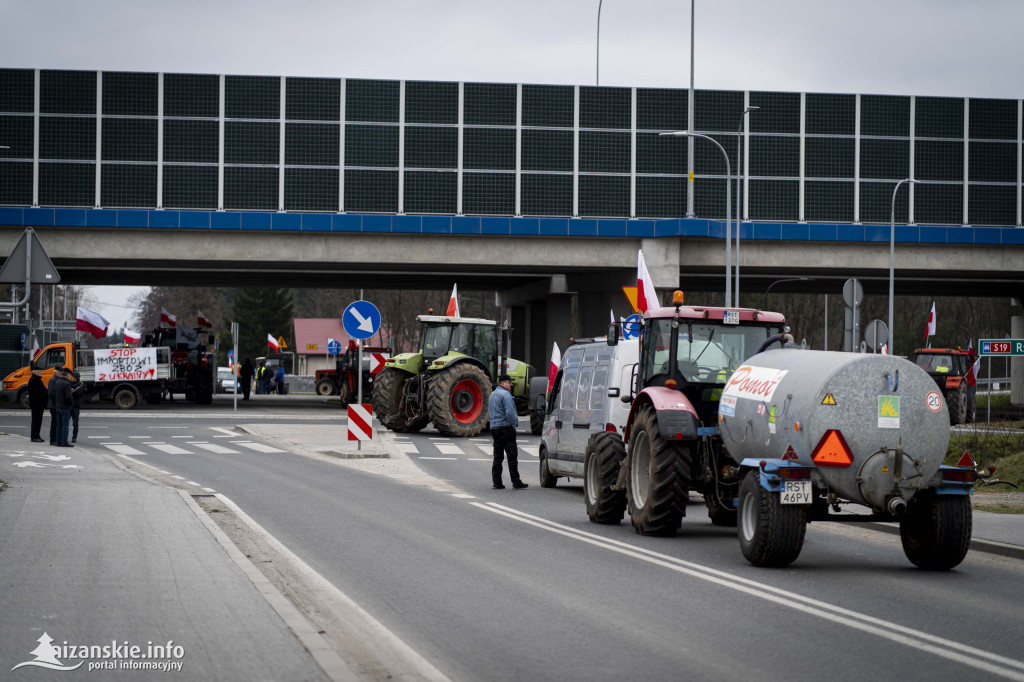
262 311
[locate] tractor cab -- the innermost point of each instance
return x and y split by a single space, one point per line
695 350
472 337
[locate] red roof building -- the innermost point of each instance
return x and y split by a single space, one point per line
311 335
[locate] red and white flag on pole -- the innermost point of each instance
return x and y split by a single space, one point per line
272 342
94 323
453 303
167 318
885 349
556 360
929 327
646 296
203 322
976 366
131 337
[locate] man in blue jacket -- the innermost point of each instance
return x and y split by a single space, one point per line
501 409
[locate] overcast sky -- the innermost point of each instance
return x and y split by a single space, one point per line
910 47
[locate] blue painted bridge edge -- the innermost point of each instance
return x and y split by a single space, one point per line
500 226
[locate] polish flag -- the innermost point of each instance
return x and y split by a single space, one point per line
272 342
94 323
929 328
885 349
556 360
167 318
976 367
646 296
131 337
203 322
453 303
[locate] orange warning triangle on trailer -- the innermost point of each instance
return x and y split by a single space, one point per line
966 460
832 451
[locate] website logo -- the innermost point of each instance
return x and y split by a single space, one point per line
46 656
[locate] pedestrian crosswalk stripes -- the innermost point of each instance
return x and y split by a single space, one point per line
168 448
191 448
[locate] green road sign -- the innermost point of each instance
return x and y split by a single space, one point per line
1001 347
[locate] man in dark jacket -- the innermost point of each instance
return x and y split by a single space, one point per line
246 378
63 400
77 391
51 387
38 398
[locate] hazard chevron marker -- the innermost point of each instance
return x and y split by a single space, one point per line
360 420
377 363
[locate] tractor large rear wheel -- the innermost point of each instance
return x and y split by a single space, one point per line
387 394
457 400
325 387
957 402
658 477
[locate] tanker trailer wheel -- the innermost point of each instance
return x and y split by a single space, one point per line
957 401
457 400
936 530
325 387
771 533
658 477
387 393
547 479
604 457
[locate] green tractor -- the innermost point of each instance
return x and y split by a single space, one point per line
449 381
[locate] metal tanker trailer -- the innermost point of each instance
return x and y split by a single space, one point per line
814 430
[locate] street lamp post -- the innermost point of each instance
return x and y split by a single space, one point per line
597 75
728 207
739 166
892 256
780 281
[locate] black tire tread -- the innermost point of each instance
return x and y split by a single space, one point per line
957 402
936 531
387 392
607 452
670 480
547 479
779 535
439 394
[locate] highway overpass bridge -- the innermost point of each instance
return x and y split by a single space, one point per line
535 264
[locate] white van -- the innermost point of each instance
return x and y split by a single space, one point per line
583 399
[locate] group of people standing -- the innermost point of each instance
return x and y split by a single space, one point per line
63 397
263 376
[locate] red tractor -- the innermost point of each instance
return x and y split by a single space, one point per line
949 368
342 379
686 355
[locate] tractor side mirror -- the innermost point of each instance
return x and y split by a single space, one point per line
613 334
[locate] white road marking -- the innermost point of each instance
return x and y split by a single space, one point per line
463 496
169 449
408 448
122 449
258 447
449 449
917 639
194 483
140 437
481 459
446 458
180 478
209 490
225 430
182 436
216 449
530 450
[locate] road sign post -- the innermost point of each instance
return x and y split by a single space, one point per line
361 320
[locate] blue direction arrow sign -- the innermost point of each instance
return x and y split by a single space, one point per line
361 319
631 327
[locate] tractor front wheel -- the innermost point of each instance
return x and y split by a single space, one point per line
387 395
457 400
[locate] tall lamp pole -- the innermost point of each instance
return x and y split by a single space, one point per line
690 126
780 281
728 207
892 256
739 166
597 75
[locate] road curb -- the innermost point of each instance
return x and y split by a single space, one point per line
986 546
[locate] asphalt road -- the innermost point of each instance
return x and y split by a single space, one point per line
510 585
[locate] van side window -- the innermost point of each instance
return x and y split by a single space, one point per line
555 389
570 379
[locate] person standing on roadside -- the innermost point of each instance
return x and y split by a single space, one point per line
77 391
501 409
246 378
63 400
38 398
279 379
51 388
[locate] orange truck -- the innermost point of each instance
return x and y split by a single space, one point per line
124 375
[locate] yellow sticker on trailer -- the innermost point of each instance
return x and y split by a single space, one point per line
829 400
